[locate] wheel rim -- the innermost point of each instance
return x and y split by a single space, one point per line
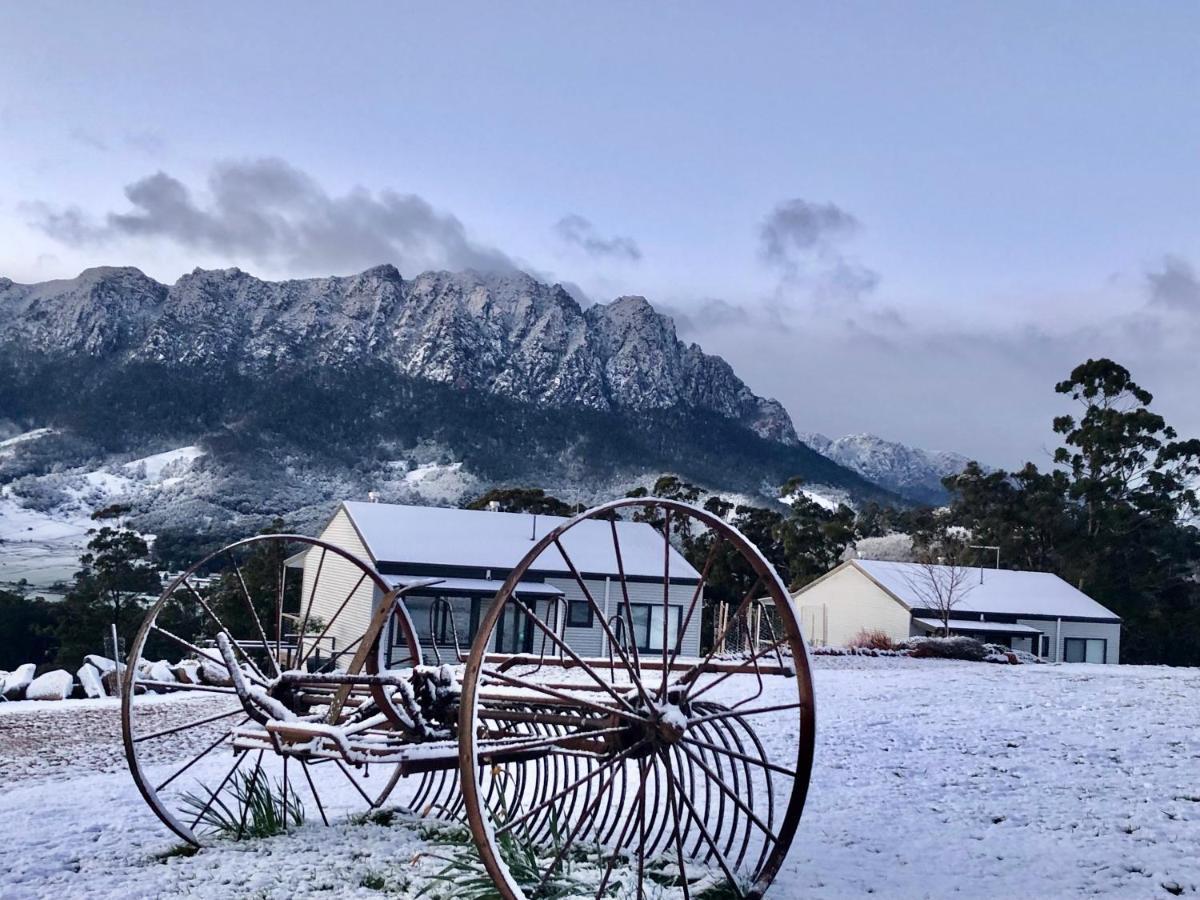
183 753
664 734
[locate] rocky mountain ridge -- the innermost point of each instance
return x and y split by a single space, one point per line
504 334
909 471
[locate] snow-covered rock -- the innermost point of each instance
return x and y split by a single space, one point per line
16 681
214 674
186 672
55 685
101 664
89 677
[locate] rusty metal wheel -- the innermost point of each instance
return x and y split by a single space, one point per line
639 766
258 600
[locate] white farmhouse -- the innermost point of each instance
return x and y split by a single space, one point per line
472 552
1033 611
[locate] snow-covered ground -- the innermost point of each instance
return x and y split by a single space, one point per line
932 779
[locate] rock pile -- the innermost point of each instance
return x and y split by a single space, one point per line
100 677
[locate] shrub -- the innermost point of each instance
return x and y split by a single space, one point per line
946 648
873 639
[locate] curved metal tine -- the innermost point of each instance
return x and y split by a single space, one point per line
320 637
733 820
253 612
721 861
599 613
619 631
195 723
672 805
608 763
570 841
759 654
212 615
638 801
574 656
494 746
738 801
768 781
719 639
560 620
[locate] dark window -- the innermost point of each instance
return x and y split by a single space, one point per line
579 614
1085 650
648 625
1045 646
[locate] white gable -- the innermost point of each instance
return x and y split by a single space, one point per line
430 535
1001 591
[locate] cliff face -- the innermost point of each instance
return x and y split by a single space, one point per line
503 334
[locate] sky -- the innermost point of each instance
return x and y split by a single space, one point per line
905 219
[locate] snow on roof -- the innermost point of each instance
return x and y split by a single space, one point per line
976 625
482 586
1002 591
434 535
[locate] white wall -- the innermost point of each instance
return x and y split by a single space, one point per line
849 602
338 577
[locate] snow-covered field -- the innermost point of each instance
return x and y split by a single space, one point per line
932 779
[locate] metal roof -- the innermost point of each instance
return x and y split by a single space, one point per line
445 536
481 586
976 625
998 591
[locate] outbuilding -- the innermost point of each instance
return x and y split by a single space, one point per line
1036 612
471 552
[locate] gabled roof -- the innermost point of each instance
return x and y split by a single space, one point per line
444 536
999 591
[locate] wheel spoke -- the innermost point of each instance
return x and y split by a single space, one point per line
724 633
221 625
599 614
329 624
312 595
753 659
791 773
672 804
254 613
743 713
195 723
570 841
317 797
631 636
212 795
741 804
666 628
195 759
696 597
721 861
559 695
255 675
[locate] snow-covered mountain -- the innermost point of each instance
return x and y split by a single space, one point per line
288 396
504 334
909 471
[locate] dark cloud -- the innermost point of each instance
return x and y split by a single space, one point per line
1175 285
802 240
709 314
579 232
271 213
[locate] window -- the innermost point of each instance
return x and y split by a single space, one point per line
648 625
579 614
1085 650
1045 654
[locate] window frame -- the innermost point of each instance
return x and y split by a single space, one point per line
590 619
644 646
1084 640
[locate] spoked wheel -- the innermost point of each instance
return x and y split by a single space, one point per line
642 767
295 615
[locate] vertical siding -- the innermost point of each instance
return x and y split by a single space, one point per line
849 602
338 576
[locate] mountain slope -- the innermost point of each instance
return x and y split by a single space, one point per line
304 392
911 472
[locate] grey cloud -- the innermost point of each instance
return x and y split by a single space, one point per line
273 214
579 232
1174 285
802 239
88 139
